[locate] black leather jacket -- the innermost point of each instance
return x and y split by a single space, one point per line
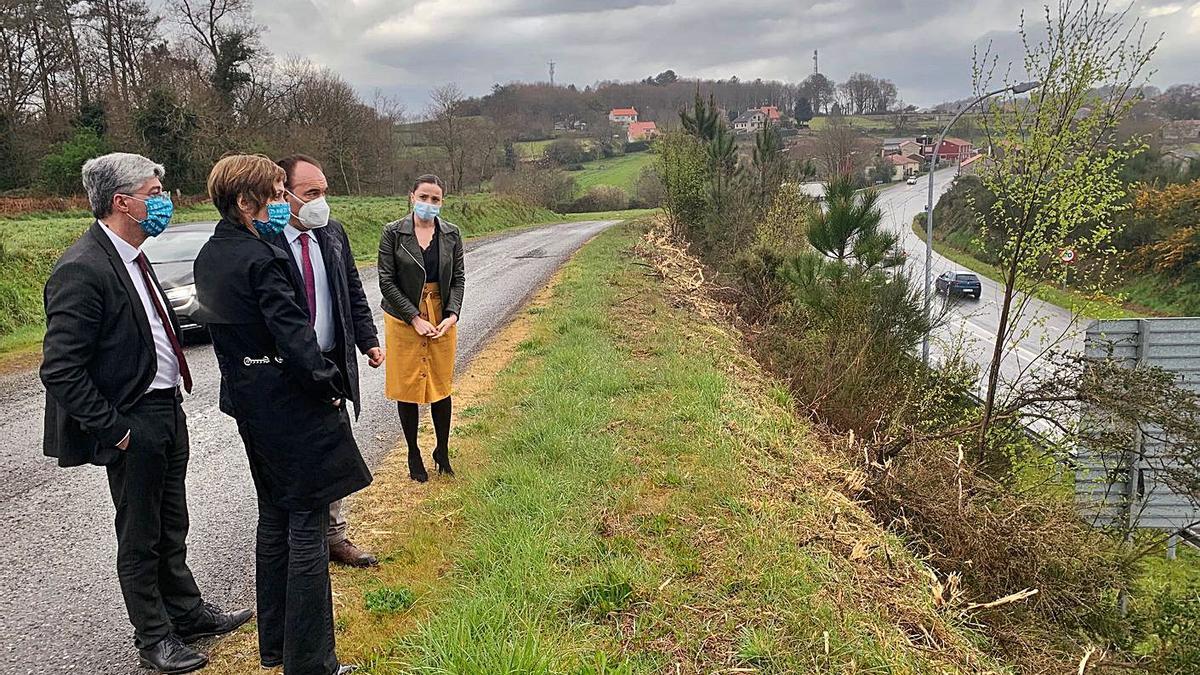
402 272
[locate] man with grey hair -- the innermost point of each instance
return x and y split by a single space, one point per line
112 365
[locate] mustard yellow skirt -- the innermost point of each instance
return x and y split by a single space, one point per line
419 369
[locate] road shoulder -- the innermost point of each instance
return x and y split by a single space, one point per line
633 492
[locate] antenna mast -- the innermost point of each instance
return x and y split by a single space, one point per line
551 73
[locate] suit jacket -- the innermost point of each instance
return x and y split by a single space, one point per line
98 355
352 313
274 380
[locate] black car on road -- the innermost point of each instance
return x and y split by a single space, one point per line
172 255
957 282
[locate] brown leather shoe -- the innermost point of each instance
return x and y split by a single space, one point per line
346 553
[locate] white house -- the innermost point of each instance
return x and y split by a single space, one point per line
623 115
750 122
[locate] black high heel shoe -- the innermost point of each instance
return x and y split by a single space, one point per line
441 457
416 467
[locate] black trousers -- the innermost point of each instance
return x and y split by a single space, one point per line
295 599
148 491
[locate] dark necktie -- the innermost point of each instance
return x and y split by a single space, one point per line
310 281
151 287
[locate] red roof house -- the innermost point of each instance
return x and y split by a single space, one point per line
640 131
772 112
952 150
623 115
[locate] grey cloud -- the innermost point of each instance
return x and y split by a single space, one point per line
925 46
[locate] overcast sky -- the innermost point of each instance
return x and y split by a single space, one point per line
406 47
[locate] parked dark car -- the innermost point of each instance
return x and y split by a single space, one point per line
959 283
172 254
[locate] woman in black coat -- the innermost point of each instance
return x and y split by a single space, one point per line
288 401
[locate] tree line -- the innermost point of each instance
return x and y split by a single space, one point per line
188 82
184 85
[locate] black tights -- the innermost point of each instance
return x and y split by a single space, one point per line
441 423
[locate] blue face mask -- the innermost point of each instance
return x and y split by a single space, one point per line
426 211
278 216
159 210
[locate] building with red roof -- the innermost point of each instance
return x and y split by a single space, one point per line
641 131
772 113
623 115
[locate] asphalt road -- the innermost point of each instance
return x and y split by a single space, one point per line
970 326
61 609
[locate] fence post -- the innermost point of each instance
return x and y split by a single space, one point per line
1133 499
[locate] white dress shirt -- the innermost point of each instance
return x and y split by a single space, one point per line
323 323
167 374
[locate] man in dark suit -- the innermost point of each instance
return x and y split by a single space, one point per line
336 303
112 366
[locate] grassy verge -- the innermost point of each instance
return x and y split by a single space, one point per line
1067 299
619 172
634 495
1163 295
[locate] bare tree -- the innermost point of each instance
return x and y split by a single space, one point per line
840 150
207 21
858 91
447 129
22 74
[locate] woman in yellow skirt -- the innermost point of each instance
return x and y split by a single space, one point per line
422 279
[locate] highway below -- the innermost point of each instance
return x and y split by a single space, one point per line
970 326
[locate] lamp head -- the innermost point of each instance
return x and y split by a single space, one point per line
1025 86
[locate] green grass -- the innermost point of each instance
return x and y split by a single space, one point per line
649 502
622 171
535 149
388 600
1163 295
1069 300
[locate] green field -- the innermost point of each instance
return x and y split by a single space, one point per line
532 149
622 171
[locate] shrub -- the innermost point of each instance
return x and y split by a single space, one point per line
783 228
843 345
1174 629
1000 541
685 183
548 188
762 290
60 170
648 191
567 151
601 198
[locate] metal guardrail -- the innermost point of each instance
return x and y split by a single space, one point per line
1191 537
1133 487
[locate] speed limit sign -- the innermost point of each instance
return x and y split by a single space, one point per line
1068 256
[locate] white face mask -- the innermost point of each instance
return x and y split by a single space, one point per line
314 214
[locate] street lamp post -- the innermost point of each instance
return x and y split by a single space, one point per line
937 149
